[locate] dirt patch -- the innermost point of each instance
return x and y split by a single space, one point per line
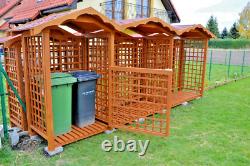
26 144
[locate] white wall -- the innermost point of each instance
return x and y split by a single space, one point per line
90 3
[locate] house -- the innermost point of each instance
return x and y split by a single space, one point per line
6 6
15 12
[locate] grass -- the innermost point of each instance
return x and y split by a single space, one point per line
213 130
219 73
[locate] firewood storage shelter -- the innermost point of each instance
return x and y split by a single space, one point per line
142 76
70 41
189 62
139 61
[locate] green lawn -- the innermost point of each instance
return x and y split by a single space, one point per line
219 73
213 130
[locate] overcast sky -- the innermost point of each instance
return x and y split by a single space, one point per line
199 11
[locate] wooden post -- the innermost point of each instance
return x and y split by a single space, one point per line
181 67
20 86
171 53
47 89
204 68
169 86
111 56
27 84
169 103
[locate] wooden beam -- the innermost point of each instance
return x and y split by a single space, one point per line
181 67
75 27
111 60
204 67
47 89
89 19
27 83
20 85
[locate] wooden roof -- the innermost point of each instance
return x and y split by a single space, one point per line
193 30
38 25
90 20
30 9
147 25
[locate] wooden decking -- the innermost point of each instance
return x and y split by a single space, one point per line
181 97
77 133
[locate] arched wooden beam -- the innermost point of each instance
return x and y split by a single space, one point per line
151 22
10 41
59 18
182 30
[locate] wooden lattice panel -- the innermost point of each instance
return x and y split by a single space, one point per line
193 65
14 69
97 57
66 54
34 62
144 53
141 99
157 53
189 60
176 64
129 52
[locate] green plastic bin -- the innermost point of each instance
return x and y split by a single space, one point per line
62 102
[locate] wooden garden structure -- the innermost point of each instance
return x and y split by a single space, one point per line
189 62
140 62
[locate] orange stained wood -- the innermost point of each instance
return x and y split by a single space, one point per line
91 16
193 31
142 77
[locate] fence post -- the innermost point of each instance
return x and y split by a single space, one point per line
229 64
226 59
2 94
243 62
210 65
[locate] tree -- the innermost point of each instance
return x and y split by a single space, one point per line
234 33
224 33
212 26
244 22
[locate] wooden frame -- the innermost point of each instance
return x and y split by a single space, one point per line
143 77
14 69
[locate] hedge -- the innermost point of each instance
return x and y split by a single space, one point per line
229 43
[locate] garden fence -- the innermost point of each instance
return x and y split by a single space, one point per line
225 65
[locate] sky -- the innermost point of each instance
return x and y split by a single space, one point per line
199 11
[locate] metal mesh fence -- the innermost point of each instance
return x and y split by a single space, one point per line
225 65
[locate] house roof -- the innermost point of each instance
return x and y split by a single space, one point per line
9 5
29 9
4 26
168 4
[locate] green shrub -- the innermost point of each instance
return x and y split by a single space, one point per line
229 43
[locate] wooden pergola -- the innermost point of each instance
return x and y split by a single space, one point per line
144 70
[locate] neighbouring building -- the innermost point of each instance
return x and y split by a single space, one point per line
15 12
6 6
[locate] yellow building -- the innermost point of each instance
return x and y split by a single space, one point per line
132 9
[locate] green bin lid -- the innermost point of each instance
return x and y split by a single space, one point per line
62 79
